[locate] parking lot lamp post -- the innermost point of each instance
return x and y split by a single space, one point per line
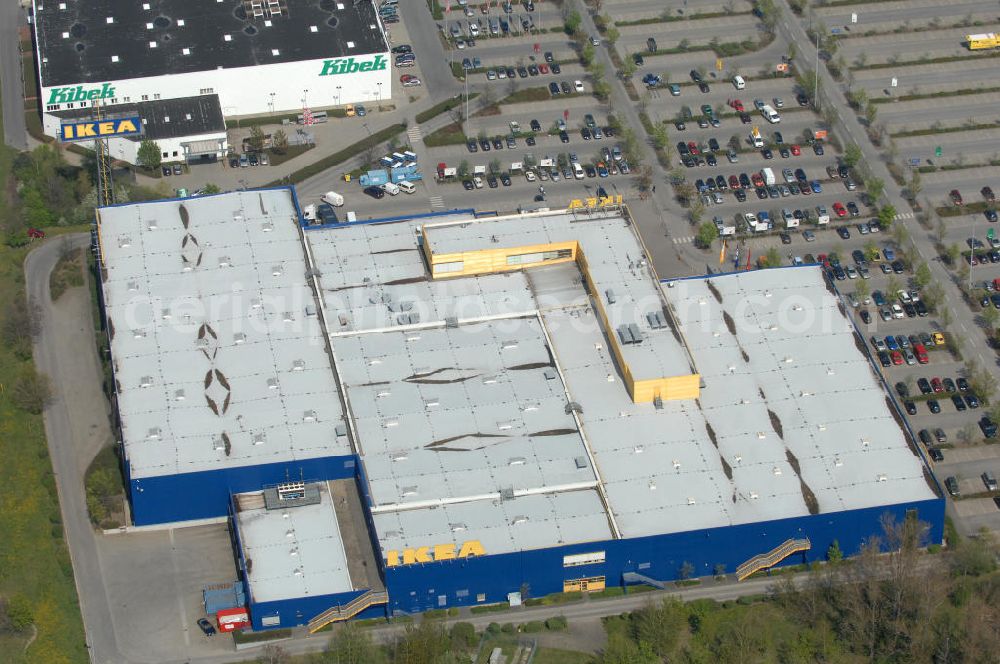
338 95
380 92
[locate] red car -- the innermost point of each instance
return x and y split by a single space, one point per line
758 180
921 352
937 385
543 68
693 148
897 358
734 183
36 234
737 105
796 150
839 208
956 197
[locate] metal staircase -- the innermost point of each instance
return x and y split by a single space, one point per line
772 557
349 610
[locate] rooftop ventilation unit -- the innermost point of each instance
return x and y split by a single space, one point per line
259 438
408 491
153 433
146 381
691 500
581 462
457 527
519 519
573 407
451 321
179 395
516 461
400 456
507 493
138 334
239 338
309 416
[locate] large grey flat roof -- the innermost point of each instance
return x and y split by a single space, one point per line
218 353
683 466
296 551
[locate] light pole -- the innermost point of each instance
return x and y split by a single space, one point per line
305 95
338 95
380 92
272 102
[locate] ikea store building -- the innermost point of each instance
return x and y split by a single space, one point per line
449 410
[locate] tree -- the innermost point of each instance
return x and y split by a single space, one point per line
772 258
707 234
21 324
862 291
612 35
572 23
686 570
628 67
352 645
422 644
833 554
494 166
952 253
465 633
211 188
696 211
256 140
923 275
660 625
871 113
279 141
660 136
990 316
915 184
149 154
852 155
808 81
587 54
886 215
875 188
463 168
31 390
892 287
622 650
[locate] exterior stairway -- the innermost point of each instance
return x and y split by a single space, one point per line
349 610
772 557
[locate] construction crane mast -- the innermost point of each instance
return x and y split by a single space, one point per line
105 185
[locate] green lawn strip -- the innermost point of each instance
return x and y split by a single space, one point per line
675 19
443 107
343 155
934 95
930 131
451 134
928 61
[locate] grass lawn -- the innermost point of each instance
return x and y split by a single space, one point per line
34 560
559 656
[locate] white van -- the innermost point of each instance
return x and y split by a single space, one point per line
333 198
406 187
578 171
739 82
770 114
390 188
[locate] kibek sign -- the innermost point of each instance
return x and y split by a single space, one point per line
352 65
430 554
79 93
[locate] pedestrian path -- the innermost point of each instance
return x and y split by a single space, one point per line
437 202
905 215
413 133
686 239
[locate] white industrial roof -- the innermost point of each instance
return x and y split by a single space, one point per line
218 352
684 466
296 551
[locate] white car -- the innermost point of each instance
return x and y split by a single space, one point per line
473 28
529 176
478 181
578 85
750 218
409 81
595 40
897 311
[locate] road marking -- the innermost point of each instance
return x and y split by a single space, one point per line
904 215
687 239
180 598
437 202
414 134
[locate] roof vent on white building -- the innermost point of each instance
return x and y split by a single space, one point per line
133 286
489 380
516 461
179 395
830 371
293 552
309 416
738 458
390 422
821 427
520 518
153 433
372 362
298 365
761 435
340 5
267 227
457 527
505 345
297 572
124 241
400 456
313 28
289 533
431 402
677 464
180 23
239 338
218 443
227 38
138 334
789 359
259 438
277 269
408 491
691 500
275 52
287 317
186 51
383 393
146 381
255 303
152 44
506 425
272 383
803 393
777 471
652 485
224 261
882 477
753 495
638 449
837 462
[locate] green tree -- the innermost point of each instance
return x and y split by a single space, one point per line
273 654
149 154
862 291
660 625
622 650
211 188
352 645
707 233
463 633
952 253
887 215
572 23
31 390
833 554
990 316
923 275
463 168
875 187
772 258
892 287
871 114
612 35
852 155
587 54
494 166
426 643
256 140
660 136
915 185
628 67
279 141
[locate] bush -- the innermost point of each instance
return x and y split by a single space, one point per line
556 623
508 628
493 628
533 627
31 391
464 633
19 614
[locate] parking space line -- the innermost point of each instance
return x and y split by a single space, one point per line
180 596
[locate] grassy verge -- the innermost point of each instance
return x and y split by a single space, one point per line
674 19
451 134
490 608
244 123
525 95
104 482
35 560
935 95
342 156
291 152
443 107
944 130
257 637
926 61
67 274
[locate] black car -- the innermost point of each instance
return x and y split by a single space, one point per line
911 408
902 390
720 182
921 308
695 76
963 384
206 627
505 179
802 99
745 118
402 48
933 406
744 180
971 400
497 143
898 267
637 59
866 318
761 193
741 195
959 403
784 152
924 385
167 172
254 161
925 436
484 143
522 72
778 138
530 140
766 153
554 88
533 70
234 162
590 171
376 192
818 149
909 310
555 68
564 86
988 426
563 136
549 57
491 181
704 87
511 72
585 134
536 125
883 357
471 145
711 160
468 185
935 454
785 238
713 145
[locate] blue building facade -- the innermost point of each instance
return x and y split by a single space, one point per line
488 579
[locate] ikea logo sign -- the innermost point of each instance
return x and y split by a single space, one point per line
89 130
430 554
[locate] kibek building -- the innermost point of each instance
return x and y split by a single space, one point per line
247 57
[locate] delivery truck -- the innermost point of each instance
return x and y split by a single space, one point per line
987 40
768 175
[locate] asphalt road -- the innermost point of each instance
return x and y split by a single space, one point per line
53 355
15 132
